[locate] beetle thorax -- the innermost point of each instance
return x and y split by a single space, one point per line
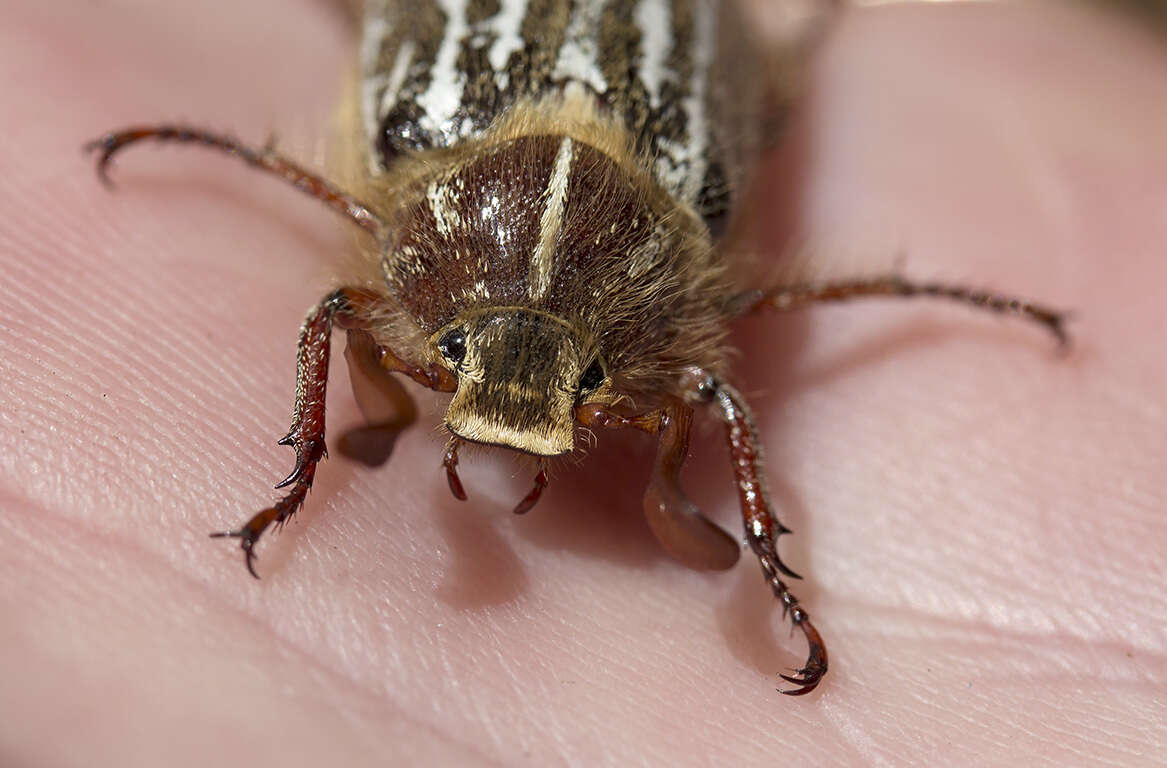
530 263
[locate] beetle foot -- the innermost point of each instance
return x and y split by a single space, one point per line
807 678
247 540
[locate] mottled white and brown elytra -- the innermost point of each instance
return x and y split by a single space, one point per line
543 183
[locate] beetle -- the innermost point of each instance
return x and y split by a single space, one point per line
543 186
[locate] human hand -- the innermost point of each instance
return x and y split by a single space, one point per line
981 523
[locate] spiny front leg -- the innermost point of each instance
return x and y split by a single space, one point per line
762 526
307 433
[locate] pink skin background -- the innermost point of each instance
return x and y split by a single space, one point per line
981 522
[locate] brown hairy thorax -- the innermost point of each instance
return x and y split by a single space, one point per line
549 256
540 244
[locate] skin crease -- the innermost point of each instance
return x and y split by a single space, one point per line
981 522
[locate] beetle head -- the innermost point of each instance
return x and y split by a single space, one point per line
519 373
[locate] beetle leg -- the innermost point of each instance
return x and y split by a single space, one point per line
265 159
762 526
676 522
306 435
797 296
386 405
347 307
528 501
450 462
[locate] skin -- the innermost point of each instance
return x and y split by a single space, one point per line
981 520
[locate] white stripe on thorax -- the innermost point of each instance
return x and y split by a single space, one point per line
579 55
444 201
440 101
654 20
543 258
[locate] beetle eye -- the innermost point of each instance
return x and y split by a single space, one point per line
592 378
452 345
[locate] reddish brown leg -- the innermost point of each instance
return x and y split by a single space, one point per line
306 435
796 296
346 307
450 462
762 526
387 407
528 501
265 159
676 522
691 537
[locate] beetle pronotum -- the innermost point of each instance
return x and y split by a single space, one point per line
541 183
